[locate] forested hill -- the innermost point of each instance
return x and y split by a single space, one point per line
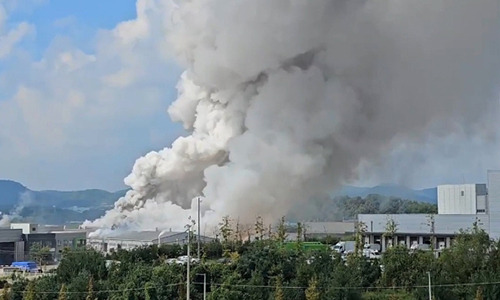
60 207
326 208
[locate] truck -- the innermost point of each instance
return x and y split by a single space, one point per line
371 251
415 246
25 266
306 246
344 247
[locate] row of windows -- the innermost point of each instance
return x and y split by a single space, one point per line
65 243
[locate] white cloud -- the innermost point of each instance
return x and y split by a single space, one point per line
3 17
70 103
9 37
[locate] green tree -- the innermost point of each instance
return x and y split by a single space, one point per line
278 289
225 229
40 254
238 233
30 291
90 289
5 293
259 228
391 227
479 294
47 283
432 230
300 232
76 262
402 268
312 292
150 291
62 293
281 233
471 250
360 233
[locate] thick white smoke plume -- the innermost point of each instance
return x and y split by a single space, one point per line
25 199
286 98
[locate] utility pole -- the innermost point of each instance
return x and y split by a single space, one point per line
188 262
199 227
430 289
204 285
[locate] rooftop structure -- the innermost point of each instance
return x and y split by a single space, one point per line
129 240
459 208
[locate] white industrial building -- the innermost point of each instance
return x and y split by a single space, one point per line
459 207
129 240
462 199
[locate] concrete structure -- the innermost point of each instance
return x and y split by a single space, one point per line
462 199
417 229
57 241
26 228
54 237
324 229
30 228
133 239
459 207
321 230
11 246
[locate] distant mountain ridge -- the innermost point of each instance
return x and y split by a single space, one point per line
59 207
425 195
10 192
55 206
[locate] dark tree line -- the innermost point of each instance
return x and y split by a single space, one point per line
326 208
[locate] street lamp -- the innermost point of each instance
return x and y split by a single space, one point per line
430 286
188 261
199 228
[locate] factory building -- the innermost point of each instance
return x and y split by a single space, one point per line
462 199
459 207
11 245
17 241
129 240
319 230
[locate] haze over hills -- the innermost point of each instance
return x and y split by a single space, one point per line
58 207
54 207
389 190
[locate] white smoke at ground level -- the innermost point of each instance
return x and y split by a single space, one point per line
288 98
25 199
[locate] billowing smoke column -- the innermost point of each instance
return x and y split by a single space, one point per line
286 98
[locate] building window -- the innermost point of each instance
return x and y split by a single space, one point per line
462 193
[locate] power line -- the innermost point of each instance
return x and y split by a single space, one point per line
103 291
360 287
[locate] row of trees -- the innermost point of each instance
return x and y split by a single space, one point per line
327 208
264 269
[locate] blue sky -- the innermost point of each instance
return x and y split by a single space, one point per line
75 110
79 19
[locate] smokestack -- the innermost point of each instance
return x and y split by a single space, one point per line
293 100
